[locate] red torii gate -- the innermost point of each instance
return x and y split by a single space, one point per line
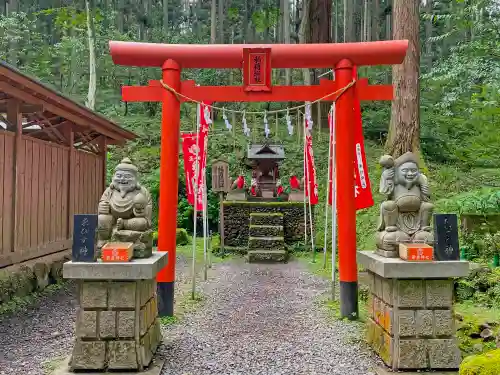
174 57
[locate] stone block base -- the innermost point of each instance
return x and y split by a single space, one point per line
117 326
411 324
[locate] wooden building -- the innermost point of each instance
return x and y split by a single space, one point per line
52 165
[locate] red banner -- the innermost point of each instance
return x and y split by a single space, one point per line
362 188
311 184
195 152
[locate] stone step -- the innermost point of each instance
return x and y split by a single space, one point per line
272 256
266 231
266 218
266 243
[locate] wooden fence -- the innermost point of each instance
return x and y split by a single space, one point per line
40 189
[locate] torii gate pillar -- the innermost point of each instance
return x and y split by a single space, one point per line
169 165
346 209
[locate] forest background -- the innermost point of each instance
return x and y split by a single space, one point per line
447 91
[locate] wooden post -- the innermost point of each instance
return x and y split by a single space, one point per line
70 138
103 148
15 122
221 220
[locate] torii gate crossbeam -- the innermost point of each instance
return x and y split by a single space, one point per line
343 57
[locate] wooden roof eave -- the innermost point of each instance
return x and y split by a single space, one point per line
17 84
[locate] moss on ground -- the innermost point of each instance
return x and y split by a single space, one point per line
483 364
471 320
17 304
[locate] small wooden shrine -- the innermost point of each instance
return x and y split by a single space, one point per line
264 160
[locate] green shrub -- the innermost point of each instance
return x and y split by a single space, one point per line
484 364
181 237
481 286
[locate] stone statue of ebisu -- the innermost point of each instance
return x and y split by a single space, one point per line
406 214
125 211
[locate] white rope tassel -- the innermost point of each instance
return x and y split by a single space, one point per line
309 120
289 123
246 129
206 114
266 125
226 121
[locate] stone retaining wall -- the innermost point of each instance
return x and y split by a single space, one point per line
117 326
237 217
411 324
25 278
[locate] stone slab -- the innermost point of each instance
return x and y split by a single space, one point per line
154 369
137 269
385 371
396 268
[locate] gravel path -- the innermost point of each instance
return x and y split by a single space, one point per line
263 320
255 320
35 340
30 339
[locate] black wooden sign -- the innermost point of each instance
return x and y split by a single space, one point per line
446 237
84 238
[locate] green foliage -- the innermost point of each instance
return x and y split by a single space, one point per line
484 364
481 201
461 91
482 286
181 237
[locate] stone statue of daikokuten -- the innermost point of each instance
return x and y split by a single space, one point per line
125 211
406 214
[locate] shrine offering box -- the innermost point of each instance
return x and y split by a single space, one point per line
416 252
117 252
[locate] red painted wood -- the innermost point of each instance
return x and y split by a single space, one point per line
323 55
169 169
153 92
346 207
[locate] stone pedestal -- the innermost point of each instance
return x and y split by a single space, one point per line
411 323
116 325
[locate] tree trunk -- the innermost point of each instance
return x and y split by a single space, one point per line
376 20
221 21
304 35
147 18
120 16
213 22
349 21
388 12
319 26
165 15
404 130
89 7
367 20
286 35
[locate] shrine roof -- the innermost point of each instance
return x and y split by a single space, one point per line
45 112
264 151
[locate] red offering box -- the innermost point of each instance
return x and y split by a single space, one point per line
117 252
416 252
